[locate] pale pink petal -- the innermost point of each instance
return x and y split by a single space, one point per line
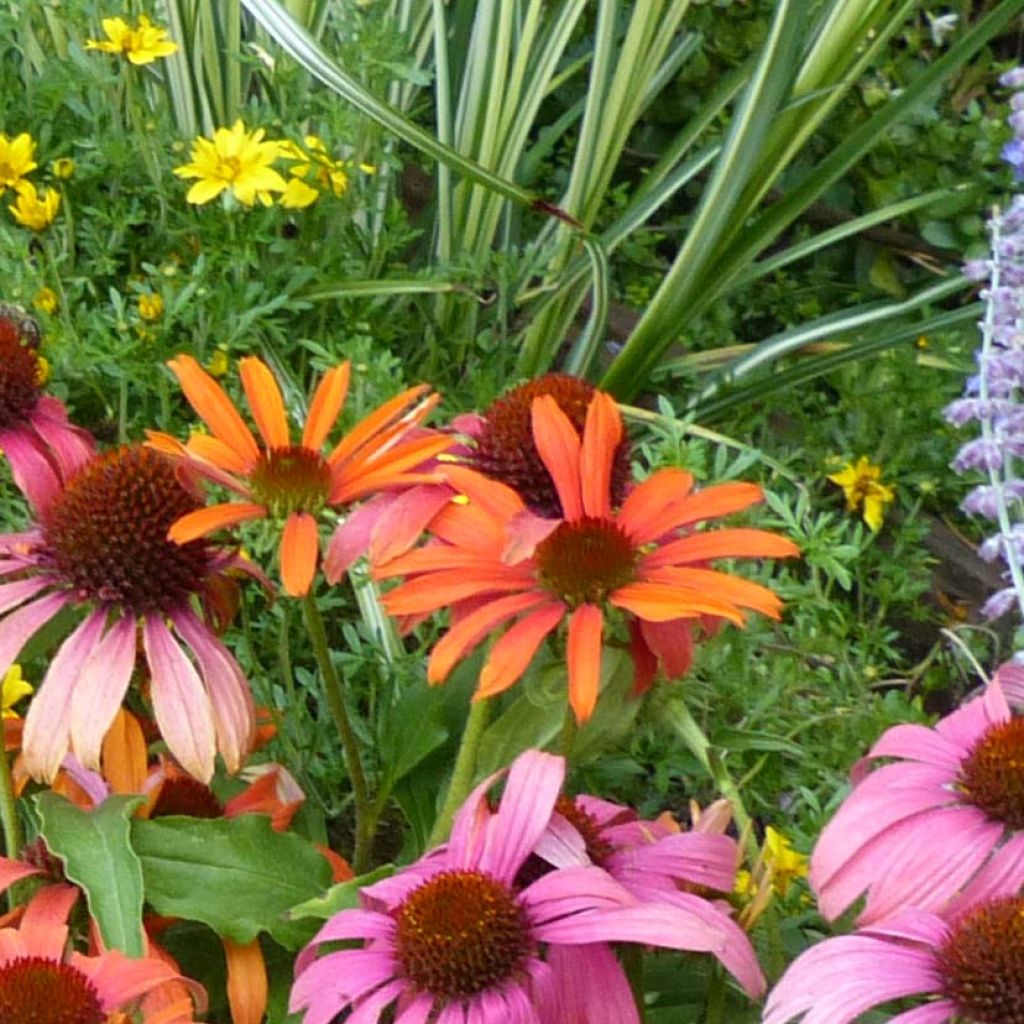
100 689
706 860
1002 875
18 592
930 1013
372 1006
93 783
561 845
969 723
72 446
180 704
524 532
593 987
560 894
231 703
17 628
48 722
335 981
402 518
32 468
1010 676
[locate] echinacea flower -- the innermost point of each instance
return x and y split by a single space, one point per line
863 490
295 483
233 159
16 159
943 820
35 435
37 971
32 210
970 969
100 546
498 562
140 45
454 938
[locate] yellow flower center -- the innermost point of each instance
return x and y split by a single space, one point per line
992 776
292 479
460 933
583 561
34 990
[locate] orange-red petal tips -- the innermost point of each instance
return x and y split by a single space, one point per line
324 410
558 445
602 433
264 397
300 546
208 520
583 654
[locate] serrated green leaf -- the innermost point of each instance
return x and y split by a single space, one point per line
343 896
238 876
95 847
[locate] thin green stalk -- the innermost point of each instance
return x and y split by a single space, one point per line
14 840
349 742
633 965
715 1002
464 772
569 731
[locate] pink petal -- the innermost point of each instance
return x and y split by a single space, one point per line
969 723
1002 875
559 894
372 1006
593 987
100 689
180 703
707 860
12 871
19 626
918 743
48 722
72 446
561 845
416 1012
403 518
1010 677
930 1013
335 981
32 469
13 594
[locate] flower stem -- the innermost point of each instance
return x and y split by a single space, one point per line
715 1004
464 772
13 838
336 702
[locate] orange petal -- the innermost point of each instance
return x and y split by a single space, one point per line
300 545
213 449
602 433
434 558
123 755
737 543
265 401
208 520
353 482
165 444
208 399
719 500
247 981
393 411
661 602
324 410
558 445
511 655
583 655
341 870
497 499
437 589
721 586
644 510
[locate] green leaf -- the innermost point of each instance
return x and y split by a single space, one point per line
413 729
237 875
343 896
95 847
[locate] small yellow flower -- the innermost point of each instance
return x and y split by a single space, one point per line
785 862
219 363
776 867
141 45
151 306
42 370
46 301
34 212
315 164
63 168
15 159
861 486
298 195
233 159
14 687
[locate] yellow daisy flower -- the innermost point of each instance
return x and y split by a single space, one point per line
314 164
13 688
141 45
32 210
151 306
16 159
46 300
860 484
233 159
219 363
63 168
298 195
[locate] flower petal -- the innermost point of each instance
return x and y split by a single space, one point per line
325 408
602 433
265 401
203 521
584 659
512 654
559 446
300 545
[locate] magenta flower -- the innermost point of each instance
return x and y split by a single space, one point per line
453 938
945 818
969 970
100 547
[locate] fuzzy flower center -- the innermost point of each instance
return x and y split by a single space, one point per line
582 562
19 373
460 933
983 963
35 990
506 450
107 533
292 479
185 795
992 776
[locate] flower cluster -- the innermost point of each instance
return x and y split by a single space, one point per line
241 162
31 209
993 397
140 45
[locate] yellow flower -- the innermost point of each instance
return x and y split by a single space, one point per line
861 486
141 45
34 212
777 865
298 195
15 159
42 370
13 689
63 168
327 173
46 300
218 364
151 306
785 862
233 159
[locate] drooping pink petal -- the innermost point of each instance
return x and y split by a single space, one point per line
180 704
930 1013
969 723
694 857
33 469
370 1007
48 722
72 446
100 689
561 894
592 986
13 594
1010 677
1001 875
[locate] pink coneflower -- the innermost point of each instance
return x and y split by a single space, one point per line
970 970
100 546
452 938
39 981
35 435
500 564
948 813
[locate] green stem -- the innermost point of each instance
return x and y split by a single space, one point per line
715 1005
349 743
633 965
13 838
464 772
569 730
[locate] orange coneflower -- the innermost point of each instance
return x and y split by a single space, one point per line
498 561
295 482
